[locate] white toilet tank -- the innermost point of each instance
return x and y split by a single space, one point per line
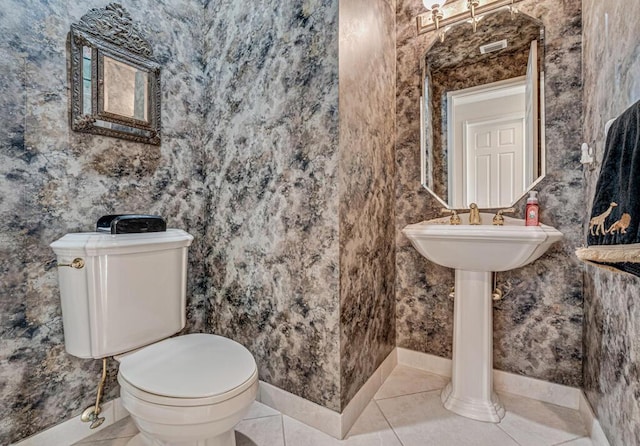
130 292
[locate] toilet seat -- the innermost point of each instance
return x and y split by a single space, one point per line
189 370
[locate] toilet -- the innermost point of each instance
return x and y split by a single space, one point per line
124 295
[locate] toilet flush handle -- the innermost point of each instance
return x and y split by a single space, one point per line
76 263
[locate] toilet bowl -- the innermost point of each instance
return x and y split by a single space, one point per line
189 390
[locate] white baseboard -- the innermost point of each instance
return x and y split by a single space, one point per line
424 361
536 389
74 430
326 420
308 412
598 438
359 402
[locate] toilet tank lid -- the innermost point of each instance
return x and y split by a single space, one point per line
189 366
97 243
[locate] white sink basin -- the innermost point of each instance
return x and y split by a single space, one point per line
475 252
482 247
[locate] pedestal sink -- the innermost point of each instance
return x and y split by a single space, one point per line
475 251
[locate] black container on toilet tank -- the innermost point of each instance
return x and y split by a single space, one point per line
131 224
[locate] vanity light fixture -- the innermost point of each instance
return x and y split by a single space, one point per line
472 5
435 7
439 16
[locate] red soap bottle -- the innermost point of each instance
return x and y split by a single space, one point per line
532 217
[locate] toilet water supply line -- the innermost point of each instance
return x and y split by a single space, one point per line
91 413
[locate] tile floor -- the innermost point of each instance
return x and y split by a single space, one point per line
406 411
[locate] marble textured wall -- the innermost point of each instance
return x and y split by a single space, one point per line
54 181
612 312
272 180
300 186
538 325
366 189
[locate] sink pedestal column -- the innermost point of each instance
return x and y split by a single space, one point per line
470 392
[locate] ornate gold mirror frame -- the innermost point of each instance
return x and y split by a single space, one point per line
115 83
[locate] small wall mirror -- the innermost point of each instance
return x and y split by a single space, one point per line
115 83
482 112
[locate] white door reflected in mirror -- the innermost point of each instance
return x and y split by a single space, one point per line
487 145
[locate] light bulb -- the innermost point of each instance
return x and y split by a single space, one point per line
433 4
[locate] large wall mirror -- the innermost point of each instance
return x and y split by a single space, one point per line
482 111
115 83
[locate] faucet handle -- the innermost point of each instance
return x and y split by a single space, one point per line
498 220
455 218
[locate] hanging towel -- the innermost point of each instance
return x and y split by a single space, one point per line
614 228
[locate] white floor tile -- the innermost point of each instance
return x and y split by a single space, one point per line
263 431
406 380
299 434
534 423
371 429
112 442
584 441
122 441
420 419
259 410
122 429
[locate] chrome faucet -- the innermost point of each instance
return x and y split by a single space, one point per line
474 215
